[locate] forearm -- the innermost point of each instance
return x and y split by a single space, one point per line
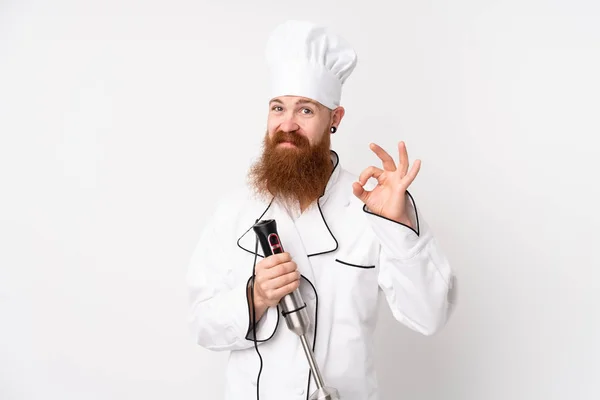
415 274
418 290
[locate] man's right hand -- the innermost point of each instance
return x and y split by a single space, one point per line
275 276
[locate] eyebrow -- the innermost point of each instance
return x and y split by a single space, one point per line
301 101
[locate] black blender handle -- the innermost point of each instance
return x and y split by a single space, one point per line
266 230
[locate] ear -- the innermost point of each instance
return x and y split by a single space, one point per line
337 115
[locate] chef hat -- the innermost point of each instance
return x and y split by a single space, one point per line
308 60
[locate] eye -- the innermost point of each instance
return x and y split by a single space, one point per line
308 111
276 108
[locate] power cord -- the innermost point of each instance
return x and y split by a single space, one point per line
254 319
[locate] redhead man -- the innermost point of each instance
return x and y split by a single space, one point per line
345 242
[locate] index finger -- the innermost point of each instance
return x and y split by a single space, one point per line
276 259
387 160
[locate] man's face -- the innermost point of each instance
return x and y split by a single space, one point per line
298 116
295 164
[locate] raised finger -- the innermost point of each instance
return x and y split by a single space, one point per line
386 159
403 154
412 174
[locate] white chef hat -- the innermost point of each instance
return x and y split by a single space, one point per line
308 60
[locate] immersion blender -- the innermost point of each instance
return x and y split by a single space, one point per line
293 308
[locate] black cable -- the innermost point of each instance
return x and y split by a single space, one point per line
254 319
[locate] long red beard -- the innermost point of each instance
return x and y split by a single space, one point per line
293 174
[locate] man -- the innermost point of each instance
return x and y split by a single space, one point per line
344 243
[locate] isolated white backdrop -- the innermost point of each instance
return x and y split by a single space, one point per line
121 123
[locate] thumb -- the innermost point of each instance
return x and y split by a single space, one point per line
360 192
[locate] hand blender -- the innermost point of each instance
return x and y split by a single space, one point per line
294 309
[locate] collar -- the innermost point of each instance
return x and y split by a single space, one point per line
333 179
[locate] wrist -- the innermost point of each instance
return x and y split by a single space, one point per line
255 298
259 304
405 221
401 219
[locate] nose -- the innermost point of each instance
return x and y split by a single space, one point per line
289 124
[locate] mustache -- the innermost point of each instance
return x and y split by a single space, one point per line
296 139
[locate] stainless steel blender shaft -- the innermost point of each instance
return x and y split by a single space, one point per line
296 318
312 362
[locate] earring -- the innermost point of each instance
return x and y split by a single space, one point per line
333 129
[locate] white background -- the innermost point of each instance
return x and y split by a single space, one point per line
121 122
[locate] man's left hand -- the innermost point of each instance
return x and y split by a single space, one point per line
388 198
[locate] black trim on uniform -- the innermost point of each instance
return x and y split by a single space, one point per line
327 226
337 161
400 223
354 265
